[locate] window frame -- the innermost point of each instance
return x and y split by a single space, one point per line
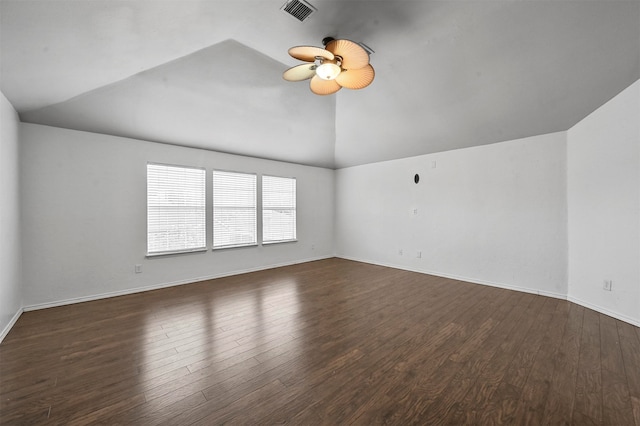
294 209
213 211
173 251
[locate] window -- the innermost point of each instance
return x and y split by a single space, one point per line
234 209
175 209
278 209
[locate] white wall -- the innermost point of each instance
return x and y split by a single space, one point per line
84 216
494 214
10 254
604 207
553 214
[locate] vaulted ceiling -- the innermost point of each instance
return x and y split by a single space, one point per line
206 73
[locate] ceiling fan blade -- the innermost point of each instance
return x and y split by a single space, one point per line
300 72
323 87
309 53
353 55
356 78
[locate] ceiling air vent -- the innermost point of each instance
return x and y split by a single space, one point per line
299 9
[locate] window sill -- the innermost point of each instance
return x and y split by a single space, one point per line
173 253
268 243
234 246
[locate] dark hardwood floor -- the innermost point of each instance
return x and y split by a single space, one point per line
326 342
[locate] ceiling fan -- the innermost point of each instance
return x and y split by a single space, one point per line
342 63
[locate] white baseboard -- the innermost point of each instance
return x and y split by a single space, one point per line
90 298
613 314
588 305
465 279
602 310
9 326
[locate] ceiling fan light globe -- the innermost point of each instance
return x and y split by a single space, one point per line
328 71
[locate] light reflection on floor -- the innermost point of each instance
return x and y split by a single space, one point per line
229 326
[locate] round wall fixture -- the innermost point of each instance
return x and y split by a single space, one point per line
416 178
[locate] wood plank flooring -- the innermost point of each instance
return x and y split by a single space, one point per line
326 342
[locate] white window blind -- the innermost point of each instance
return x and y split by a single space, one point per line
234 209
278 209
175 209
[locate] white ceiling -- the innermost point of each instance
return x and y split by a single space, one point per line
204 73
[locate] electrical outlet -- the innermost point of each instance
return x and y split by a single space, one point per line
608 284
400 252
138 269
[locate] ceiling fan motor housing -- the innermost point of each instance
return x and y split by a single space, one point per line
327 40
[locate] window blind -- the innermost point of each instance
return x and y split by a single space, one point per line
234 209
175 209
278 209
